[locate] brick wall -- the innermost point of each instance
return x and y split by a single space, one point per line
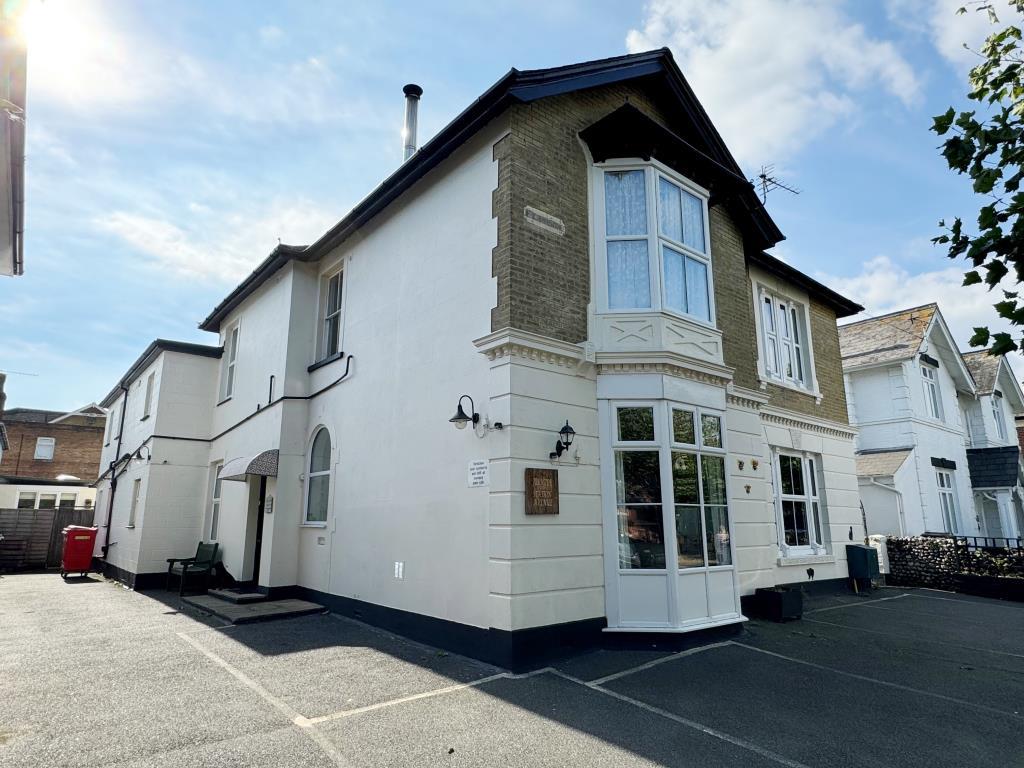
76 451
544 278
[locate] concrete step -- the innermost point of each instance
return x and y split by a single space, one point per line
238 595
247 613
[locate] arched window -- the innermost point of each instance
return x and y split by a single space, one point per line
319 478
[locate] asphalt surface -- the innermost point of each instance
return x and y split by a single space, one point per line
94 675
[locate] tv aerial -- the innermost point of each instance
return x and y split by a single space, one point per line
769 182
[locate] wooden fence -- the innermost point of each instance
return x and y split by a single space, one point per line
31 538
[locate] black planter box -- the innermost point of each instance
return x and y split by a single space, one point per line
778 603
1002 588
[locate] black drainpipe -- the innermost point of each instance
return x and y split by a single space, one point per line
113 473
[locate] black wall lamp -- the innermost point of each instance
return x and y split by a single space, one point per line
461 418
565 437
138 454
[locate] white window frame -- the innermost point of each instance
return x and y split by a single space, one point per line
813 497
932 391
26 494
998 416
652 171
41 443
216 489
42 496
306 522
945 482
147 407
778 343
229 372
664 444
136 495
336 270
64 496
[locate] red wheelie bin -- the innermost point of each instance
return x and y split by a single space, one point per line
79 543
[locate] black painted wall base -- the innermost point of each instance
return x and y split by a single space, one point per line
136 581
516 650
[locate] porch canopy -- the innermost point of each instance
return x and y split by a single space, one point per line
262 464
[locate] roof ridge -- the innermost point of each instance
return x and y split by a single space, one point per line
890 314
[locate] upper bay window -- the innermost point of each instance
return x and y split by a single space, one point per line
655 249
786 352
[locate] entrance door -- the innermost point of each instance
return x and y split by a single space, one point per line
990 517
669 550
258 539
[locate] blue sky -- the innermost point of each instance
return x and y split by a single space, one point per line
170 145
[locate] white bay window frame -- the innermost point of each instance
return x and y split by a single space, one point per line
998 415
655 240
932 391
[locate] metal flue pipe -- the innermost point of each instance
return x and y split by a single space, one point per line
412 101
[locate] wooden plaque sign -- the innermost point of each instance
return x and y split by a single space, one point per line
541 491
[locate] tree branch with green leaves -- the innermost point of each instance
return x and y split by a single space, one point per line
989 149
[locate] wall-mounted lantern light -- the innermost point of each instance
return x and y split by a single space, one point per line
461 418
565 437
138 454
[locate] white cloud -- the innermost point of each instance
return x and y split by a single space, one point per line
271 35
219 247
947 29
86 61
884 285
773 74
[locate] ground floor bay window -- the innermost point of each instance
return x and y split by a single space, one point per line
667 519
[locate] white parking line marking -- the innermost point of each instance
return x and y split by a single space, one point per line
707 730
298 720
407 699
656 662
876 681
928 639
857 604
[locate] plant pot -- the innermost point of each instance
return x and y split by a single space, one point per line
779 603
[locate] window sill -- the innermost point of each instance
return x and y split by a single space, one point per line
129 526
785 560
764 382
667 313
326 361
144 417
313 525
226 399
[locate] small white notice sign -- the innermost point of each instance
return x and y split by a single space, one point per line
479 473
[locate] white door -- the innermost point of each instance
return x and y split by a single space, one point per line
669 549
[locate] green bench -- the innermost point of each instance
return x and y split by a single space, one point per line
201 564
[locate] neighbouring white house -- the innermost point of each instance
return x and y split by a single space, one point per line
649 413
936 448
151 490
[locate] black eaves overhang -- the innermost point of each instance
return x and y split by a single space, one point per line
842 306
520 87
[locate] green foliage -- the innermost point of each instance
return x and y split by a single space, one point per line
989 149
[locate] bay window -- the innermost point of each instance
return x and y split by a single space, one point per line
784 340
799 505
655 244
687 451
